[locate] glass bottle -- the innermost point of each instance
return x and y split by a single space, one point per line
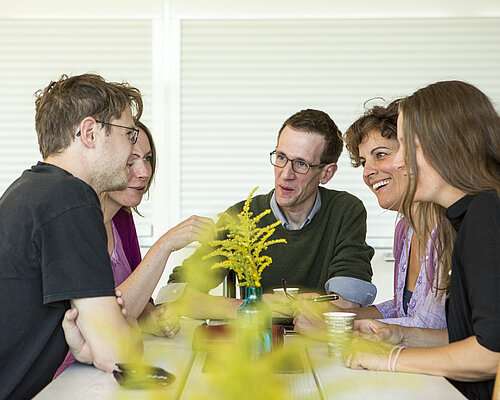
254 324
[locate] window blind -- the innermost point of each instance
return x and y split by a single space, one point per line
33 52
241 79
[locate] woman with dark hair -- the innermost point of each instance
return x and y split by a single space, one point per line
449 134
135 278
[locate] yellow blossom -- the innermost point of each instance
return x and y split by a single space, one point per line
244 243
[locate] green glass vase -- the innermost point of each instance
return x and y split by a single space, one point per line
254 324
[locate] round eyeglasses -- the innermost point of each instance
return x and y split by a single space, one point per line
299 166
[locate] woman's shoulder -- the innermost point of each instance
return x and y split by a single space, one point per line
484 205
490 199
402 230
400 234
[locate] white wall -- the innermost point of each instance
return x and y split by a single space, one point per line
332 9
74 9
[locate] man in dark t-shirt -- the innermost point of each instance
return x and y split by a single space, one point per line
53 246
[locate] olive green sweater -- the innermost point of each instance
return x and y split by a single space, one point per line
331 245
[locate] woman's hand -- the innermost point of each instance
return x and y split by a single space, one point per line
193 229
366 354
377 331
120 301
162 320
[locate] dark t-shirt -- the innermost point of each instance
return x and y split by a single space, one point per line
53 248
474 304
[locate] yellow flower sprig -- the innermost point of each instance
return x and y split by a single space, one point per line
244 243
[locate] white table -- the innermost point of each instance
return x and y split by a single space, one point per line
321 376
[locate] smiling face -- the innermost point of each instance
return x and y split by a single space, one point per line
140 171
297 192
376 154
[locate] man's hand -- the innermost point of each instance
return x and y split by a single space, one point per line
76 342
345 305
308 316
280 305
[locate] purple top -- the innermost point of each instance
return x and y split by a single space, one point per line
125 259
425 310
119 261
124 223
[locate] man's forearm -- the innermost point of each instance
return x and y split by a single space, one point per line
199 305
364 312
110 337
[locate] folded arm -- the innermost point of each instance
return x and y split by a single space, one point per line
109 336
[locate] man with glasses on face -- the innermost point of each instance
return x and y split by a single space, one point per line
53 244
325 229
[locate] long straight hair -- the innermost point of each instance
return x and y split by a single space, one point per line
459 133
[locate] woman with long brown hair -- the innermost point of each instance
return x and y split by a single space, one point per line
449 135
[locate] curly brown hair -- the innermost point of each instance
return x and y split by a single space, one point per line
377 118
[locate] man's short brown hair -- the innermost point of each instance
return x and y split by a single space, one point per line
63 104
319 122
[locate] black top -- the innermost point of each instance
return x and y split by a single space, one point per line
473 307
53 248
406 299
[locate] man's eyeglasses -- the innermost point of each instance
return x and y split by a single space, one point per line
132 134
299 166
